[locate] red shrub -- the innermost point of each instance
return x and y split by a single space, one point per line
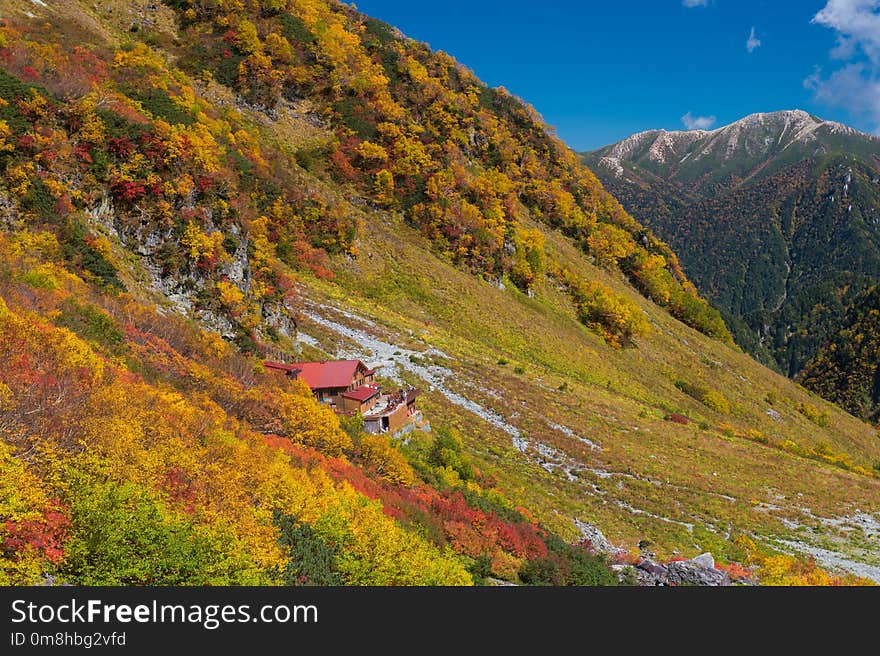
128 190
735 571
120 146
46 535
180 486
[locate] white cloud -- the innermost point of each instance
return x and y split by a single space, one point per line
856 85
690 4
753 42
692 122
857 23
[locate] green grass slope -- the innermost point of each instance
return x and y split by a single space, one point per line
594 444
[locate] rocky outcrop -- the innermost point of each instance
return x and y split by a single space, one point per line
698 571
8 213
595 537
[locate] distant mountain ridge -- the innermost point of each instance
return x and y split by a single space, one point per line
776 217
798 125
750 141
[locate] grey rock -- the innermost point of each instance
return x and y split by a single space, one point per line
651 574
216 323
238 270
696 572
655 569
278 316
8 213
104 214
595 536
704 560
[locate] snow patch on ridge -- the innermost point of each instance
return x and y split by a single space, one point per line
613 164
662 146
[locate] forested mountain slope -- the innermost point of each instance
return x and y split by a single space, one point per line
777 218
847 368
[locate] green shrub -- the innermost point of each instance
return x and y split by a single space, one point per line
40 278
814 414
12 89
689 389
161 105
541 571
39 200
311 159
92 324
295 30
383 32
353 426
77 249
117 126
312 560
227 70
710 398
123 534
568 565
481 569
448 451
357 117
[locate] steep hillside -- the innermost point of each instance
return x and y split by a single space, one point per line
847 368
776 217
191 187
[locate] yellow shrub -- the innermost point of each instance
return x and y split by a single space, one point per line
41 277
389 463
715 401
811 412
5 133
230 295
371 152
201 245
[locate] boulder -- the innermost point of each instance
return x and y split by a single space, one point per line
592 533
704 560
649 573
698 571
655 569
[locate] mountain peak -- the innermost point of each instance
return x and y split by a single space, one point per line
757 137
796 122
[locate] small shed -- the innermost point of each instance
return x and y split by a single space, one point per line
360 400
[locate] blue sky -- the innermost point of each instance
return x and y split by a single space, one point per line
599 71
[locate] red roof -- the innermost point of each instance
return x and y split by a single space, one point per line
362 393
323 375
280 366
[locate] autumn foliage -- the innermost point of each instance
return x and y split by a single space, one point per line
139 447
139 450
